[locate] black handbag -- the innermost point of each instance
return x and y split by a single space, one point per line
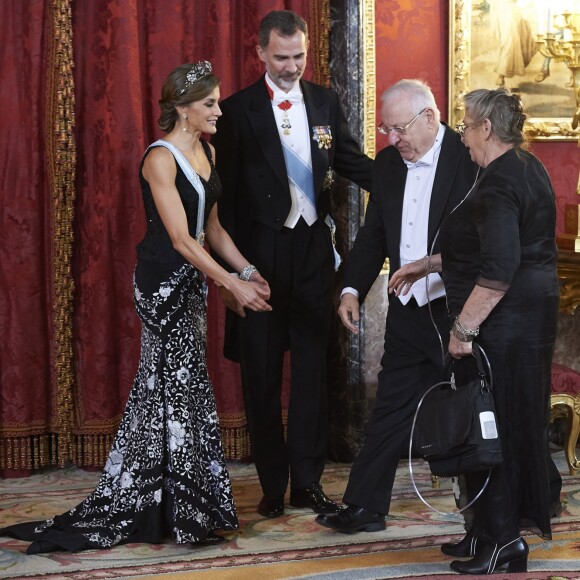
455 427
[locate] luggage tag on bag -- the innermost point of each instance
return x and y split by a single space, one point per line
488 425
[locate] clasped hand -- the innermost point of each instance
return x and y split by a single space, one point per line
252 295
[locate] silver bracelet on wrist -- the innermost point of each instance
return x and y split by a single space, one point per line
247 272
461 333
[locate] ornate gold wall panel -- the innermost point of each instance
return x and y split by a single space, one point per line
369 78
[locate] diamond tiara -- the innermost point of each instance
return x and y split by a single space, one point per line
197 71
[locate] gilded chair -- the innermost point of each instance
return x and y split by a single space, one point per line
565 403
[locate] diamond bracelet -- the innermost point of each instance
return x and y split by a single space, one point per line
247 272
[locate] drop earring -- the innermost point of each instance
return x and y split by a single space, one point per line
184 117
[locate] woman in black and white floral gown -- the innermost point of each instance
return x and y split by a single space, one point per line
166 475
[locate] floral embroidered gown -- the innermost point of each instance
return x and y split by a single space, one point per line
165 476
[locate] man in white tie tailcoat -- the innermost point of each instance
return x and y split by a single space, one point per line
277 144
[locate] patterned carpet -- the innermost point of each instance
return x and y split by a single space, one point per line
293 546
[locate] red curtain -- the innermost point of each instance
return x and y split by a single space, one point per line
24 247
26 356
123 49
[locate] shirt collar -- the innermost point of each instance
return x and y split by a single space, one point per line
294 95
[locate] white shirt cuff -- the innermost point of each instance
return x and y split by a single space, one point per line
349 290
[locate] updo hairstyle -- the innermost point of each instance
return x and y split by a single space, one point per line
504 111
179 90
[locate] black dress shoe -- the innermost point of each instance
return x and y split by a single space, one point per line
313 497
493 556
353 519
271 507
465 548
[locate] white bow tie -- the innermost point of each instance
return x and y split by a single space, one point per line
411 165
294 97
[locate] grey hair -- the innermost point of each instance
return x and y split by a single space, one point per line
416 91
504 111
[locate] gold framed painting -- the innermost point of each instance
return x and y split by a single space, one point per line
503 42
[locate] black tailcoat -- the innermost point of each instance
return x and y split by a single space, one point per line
297 263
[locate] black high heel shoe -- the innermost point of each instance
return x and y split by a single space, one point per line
468 546
212 539
493 556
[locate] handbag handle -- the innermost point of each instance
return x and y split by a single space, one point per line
480 356
483 371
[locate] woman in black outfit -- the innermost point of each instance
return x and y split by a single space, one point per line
498 258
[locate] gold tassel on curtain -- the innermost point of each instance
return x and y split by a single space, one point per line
61 163
319 33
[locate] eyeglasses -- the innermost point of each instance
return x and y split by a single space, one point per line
462 127
400 130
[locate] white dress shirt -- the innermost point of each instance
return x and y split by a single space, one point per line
298 140
415 223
